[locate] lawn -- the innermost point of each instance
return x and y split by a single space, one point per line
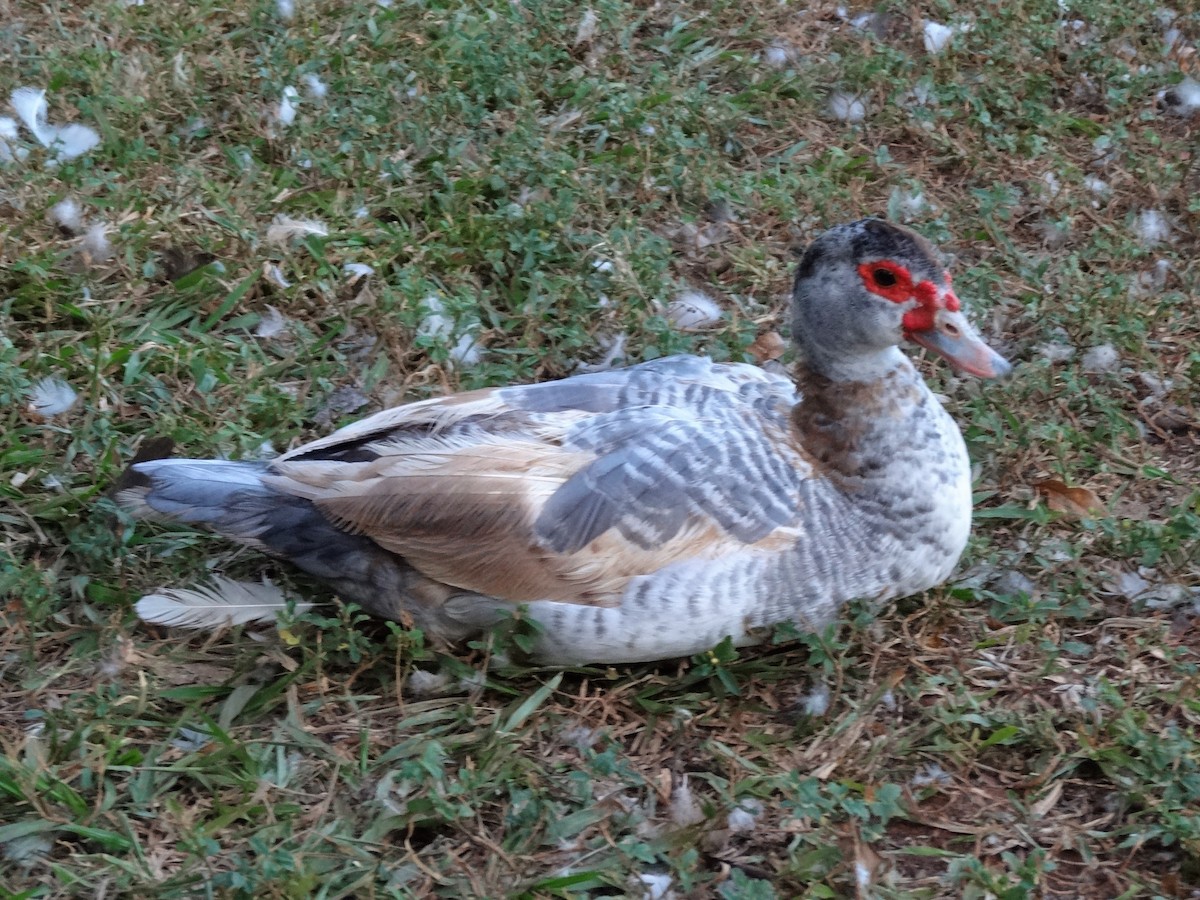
300 213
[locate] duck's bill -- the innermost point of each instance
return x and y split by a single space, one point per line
953 339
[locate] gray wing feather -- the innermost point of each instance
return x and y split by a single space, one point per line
675 440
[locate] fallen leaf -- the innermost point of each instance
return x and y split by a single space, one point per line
1048 802
1131 508
825 771
867 866
192 673
769 345
1172 419
180 261
1078 502
662 784
1129 585
342 401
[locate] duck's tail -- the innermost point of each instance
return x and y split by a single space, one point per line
232 499
228 497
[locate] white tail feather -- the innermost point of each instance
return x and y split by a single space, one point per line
221 602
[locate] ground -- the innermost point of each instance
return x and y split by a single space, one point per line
554 176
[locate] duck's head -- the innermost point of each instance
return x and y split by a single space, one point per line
866 287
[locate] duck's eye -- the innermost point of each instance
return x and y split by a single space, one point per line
884 277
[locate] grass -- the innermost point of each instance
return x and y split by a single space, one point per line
1028 730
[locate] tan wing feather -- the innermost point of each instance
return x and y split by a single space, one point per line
464 515
459 513
435 414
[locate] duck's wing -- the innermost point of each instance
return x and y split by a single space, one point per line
566 490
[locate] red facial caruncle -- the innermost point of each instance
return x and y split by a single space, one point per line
894 282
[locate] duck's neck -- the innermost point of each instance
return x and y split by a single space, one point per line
836 366
853 428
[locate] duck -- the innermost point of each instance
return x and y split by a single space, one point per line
648 512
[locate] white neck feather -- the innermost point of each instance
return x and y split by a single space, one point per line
868 367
